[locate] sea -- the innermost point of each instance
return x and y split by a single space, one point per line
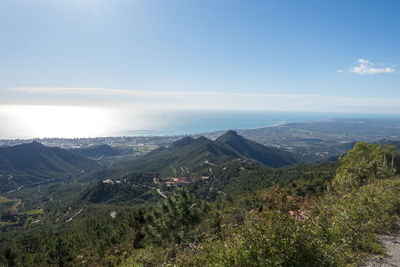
25 122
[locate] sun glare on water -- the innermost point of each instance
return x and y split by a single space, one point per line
57 121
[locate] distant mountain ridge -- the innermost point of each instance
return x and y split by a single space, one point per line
189 155
34 162
245 148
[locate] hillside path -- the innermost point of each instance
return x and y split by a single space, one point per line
391 245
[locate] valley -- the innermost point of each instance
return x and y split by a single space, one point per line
110 195
185 133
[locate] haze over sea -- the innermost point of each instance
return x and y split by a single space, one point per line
26 122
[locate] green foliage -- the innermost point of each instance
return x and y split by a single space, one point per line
61 252
258 216
364 163
174 219
348 223
94 239
237 177
333 231
275 230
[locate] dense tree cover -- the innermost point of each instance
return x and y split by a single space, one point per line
175 219
132 189
237 177
102 239
255 216
90 239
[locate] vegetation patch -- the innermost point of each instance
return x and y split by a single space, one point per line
244 214
34 212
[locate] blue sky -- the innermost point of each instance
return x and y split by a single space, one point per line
339 56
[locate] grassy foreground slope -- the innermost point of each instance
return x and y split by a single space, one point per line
334 230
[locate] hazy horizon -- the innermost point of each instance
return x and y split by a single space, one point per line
30 122
72 65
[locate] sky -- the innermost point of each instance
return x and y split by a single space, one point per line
281 55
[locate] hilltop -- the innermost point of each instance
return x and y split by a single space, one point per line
265 155
189 155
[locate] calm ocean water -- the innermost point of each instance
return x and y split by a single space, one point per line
70 122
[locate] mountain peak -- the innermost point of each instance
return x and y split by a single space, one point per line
36 143
202 139
229 135
184 141
191 154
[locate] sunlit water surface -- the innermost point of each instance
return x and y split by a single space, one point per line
30 121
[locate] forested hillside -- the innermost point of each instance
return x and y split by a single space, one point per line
34 163
189 156
315 215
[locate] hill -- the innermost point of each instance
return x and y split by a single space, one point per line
247 200
189 155
35 163
245 148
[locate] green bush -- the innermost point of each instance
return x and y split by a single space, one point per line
364 163
174 219
334 231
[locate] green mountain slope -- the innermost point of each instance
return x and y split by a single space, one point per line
185 155
34 163
188 156
251 150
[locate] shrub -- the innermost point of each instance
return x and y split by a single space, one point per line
364 163
337 230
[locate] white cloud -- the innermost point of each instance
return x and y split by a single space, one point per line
366 67
340 71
